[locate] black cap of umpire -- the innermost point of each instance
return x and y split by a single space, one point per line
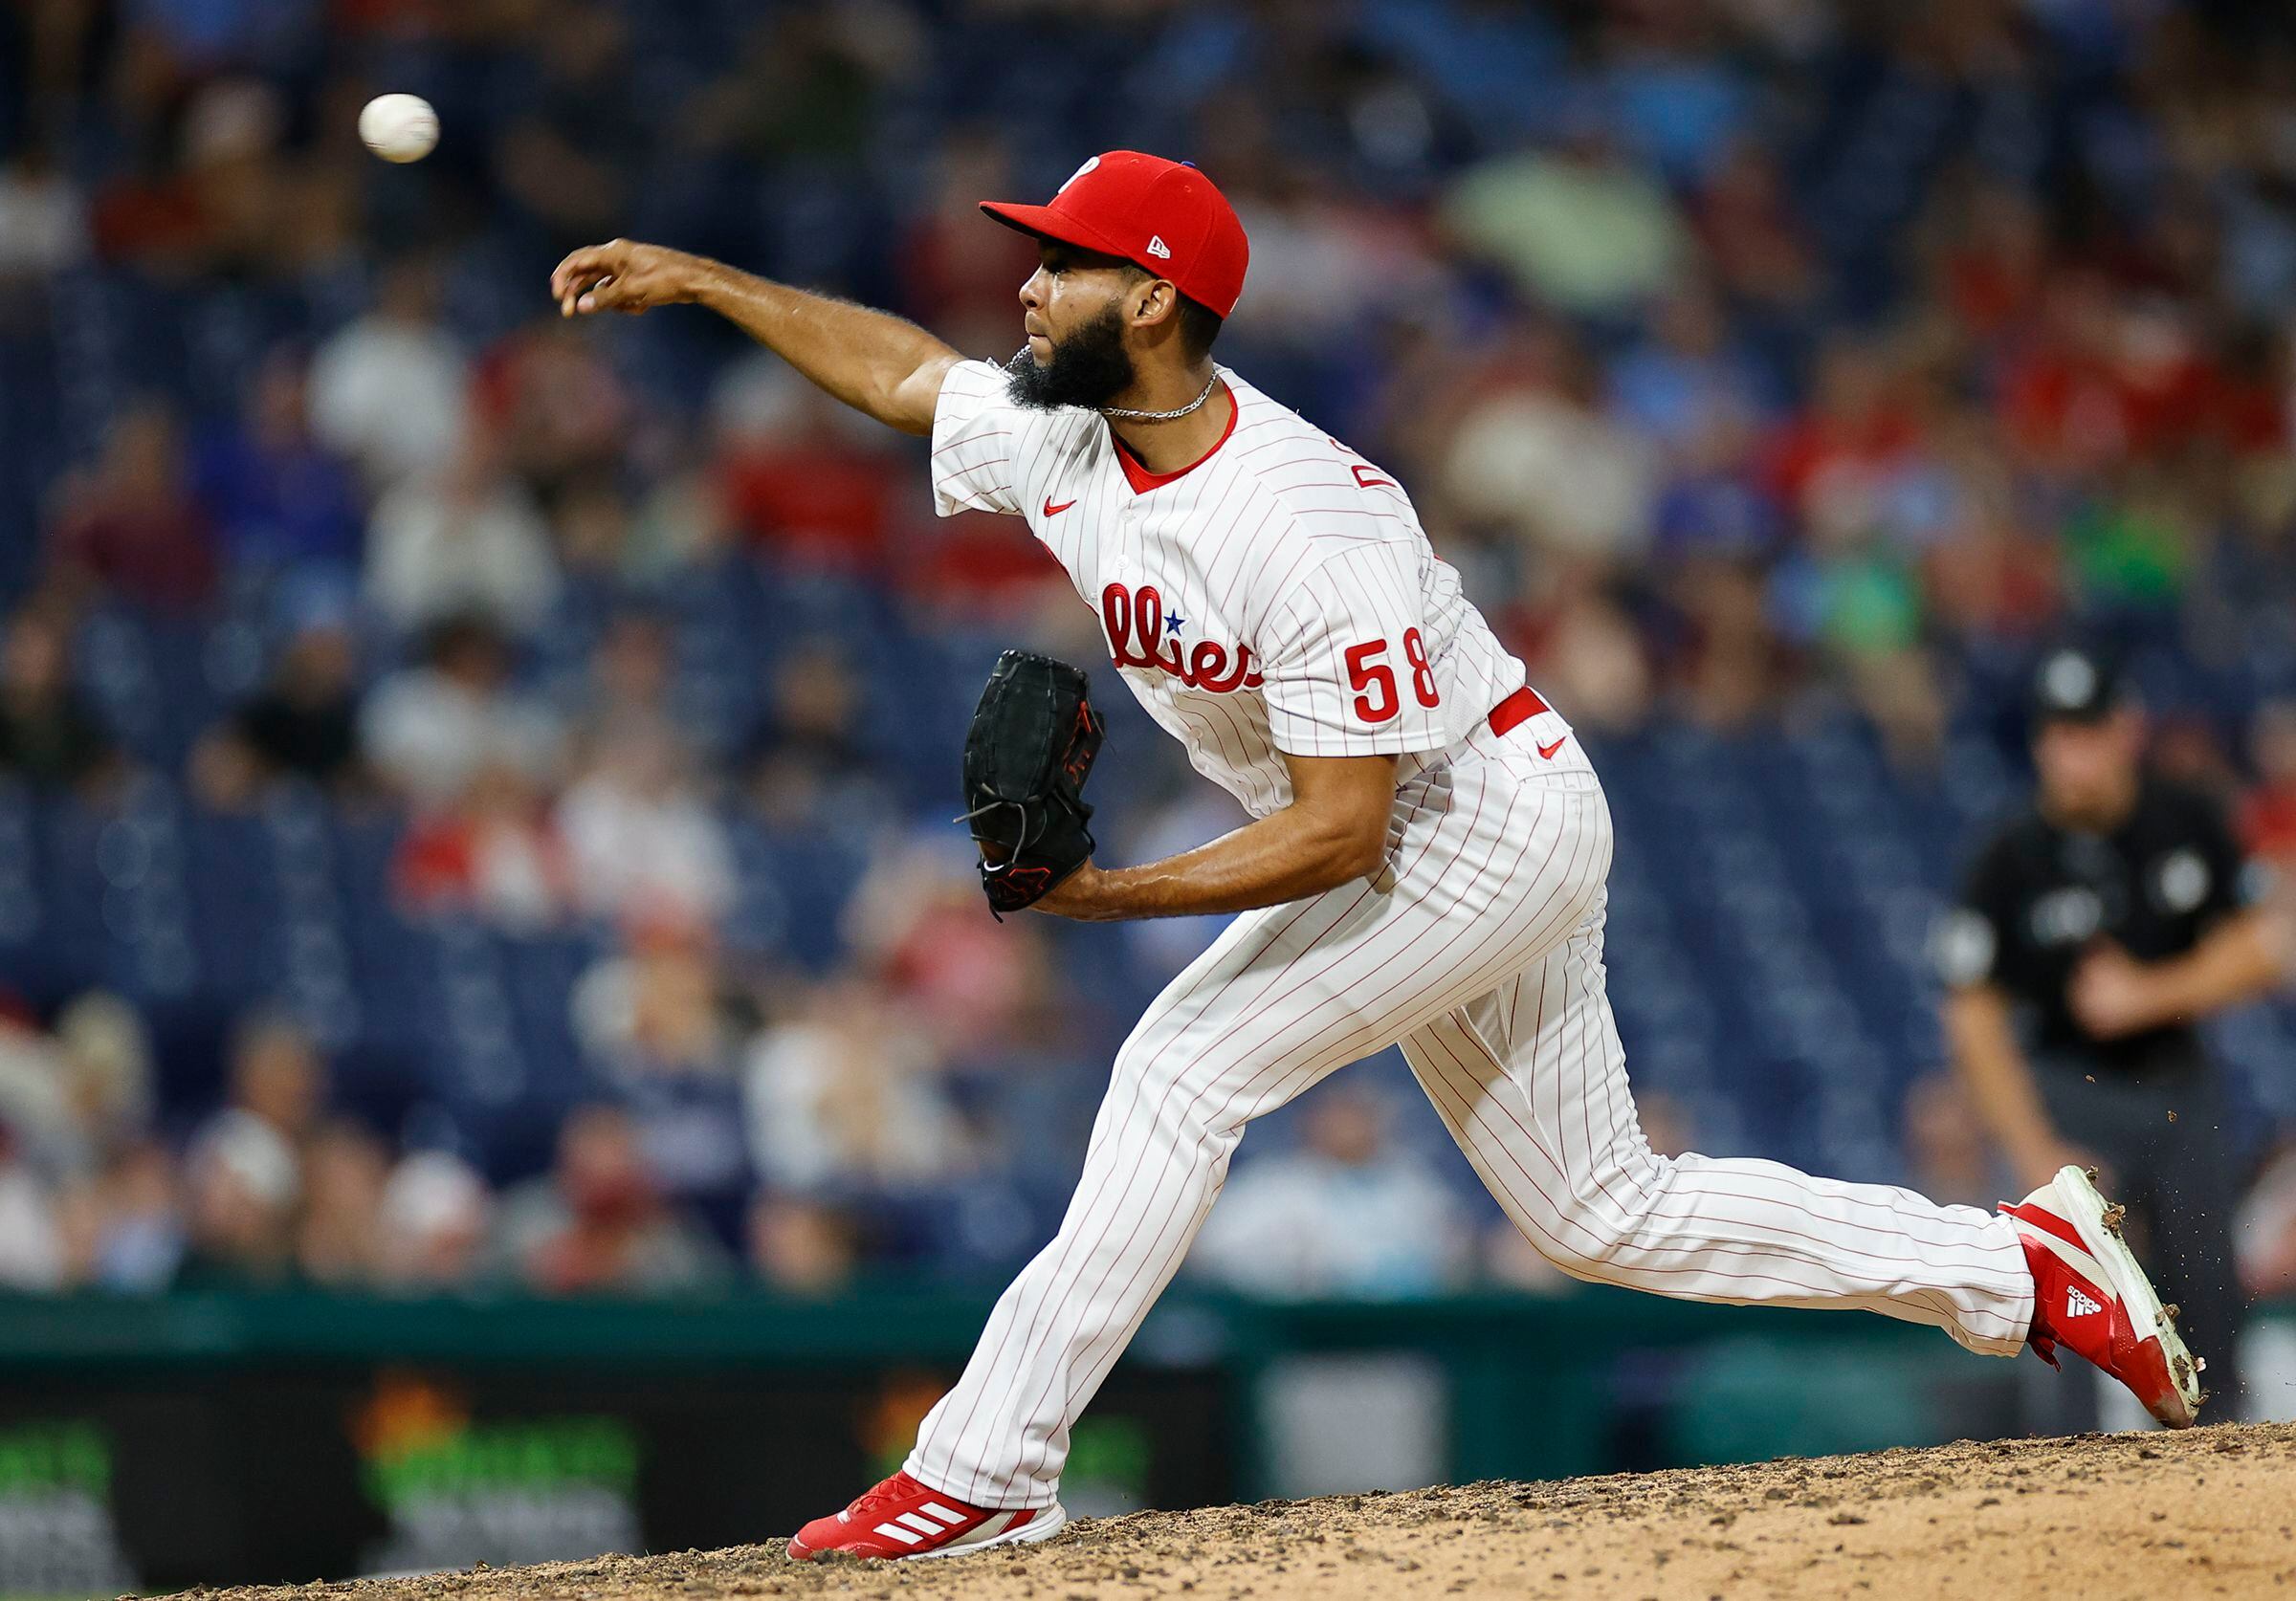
2076 684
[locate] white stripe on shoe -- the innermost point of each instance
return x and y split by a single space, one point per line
1000 1530
2072 1255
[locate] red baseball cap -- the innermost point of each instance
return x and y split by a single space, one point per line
1162 216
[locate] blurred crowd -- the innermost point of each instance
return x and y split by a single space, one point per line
1751 356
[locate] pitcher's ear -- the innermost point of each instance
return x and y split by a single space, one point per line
1160 299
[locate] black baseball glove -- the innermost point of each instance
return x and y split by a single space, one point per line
1032 741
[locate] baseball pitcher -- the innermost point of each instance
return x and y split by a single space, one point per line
1425 866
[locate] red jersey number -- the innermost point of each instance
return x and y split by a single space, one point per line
1423 671
1365 672
1377 698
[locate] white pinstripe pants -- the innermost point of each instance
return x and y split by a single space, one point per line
1480 952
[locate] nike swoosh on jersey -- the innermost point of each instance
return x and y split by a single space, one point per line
1052 511
1547 751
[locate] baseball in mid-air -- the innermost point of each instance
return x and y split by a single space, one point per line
399 127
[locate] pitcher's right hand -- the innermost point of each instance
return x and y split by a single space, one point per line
624 276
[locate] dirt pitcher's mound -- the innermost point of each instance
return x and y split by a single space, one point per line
2153 1515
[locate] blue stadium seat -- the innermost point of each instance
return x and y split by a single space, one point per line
790 893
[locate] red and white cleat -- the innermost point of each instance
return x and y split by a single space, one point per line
2089 1294
901 1518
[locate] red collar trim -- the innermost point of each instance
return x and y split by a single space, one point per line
1143 480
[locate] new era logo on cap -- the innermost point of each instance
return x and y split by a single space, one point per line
1158 248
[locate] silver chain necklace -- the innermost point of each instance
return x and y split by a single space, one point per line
1130 415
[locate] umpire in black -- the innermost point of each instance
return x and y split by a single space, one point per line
2092 933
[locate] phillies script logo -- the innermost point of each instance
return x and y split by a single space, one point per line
1135 638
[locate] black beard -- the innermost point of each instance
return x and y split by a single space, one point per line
1089 368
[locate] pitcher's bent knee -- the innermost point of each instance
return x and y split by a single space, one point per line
1596 1229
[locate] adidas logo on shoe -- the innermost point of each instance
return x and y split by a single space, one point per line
2078 1305
921 1523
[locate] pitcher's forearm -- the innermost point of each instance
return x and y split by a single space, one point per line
876 362
1278 859
1334 830
881 364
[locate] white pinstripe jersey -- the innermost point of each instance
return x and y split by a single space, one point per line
1279 596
